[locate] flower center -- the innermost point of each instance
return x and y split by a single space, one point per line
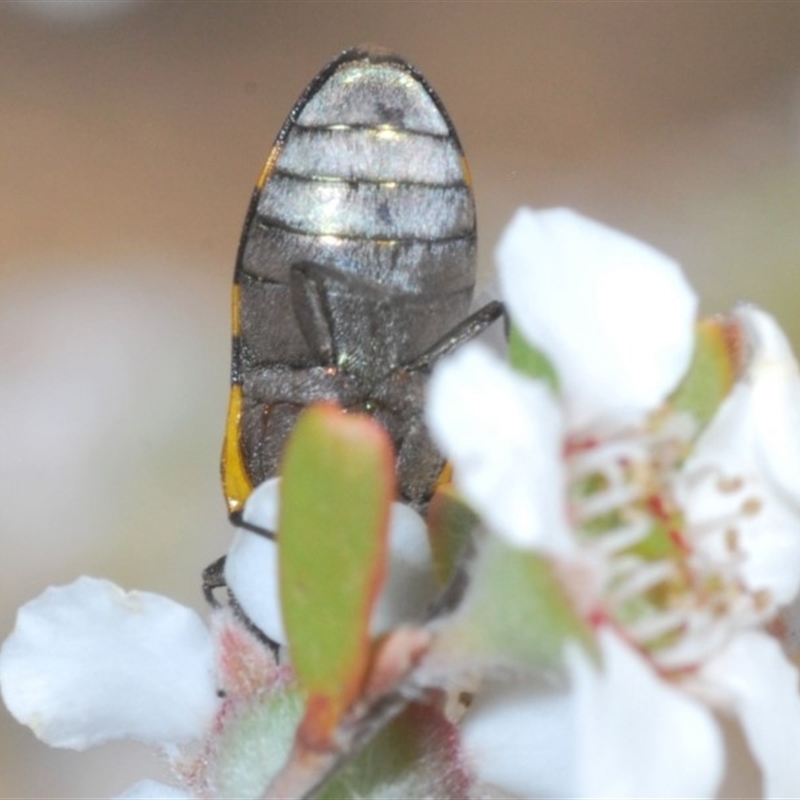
671 583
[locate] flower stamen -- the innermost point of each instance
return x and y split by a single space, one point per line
673 585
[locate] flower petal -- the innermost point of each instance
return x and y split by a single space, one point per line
411 583
773 374
153 790
614 316
88 663
638 736
518 737
251 573
251 567
503 433
763 685
727 486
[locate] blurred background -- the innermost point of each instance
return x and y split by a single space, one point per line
130 137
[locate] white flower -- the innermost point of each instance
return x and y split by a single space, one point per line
153 790
618 327
68 668
690 544
536 740
90 663
251 567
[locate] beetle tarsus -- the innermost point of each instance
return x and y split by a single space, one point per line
213 579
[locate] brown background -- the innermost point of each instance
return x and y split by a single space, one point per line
129 141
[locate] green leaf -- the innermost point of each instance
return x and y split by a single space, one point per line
529 360
451 523
255 744
412 757
515 611
337 489
711 373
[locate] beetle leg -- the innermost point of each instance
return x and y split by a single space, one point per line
471 327
239 522
419 463
214 578
311 311
274 396
264 430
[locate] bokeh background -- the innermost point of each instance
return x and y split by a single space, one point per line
130 136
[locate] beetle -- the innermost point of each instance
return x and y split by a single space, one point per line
355 271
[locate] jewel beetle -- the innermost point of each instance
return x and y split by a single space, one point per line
355 269
354 274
